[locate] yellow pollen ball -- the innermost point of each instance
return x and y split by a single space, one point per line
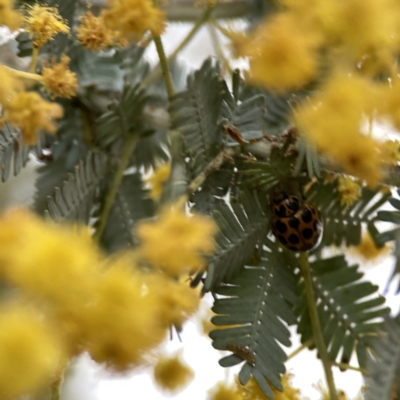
172 374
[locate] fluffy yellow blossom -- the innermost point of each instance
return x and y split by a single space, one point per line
94 35
60 81
29 112
333 119
157 180
223 391
30 352
133 18
368 250
349 190
282 57
187 238
172 374
253 392
8 16
43 23
122 320
391 152
48 262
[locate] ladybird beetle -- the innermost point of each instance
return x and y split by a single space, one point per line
297 226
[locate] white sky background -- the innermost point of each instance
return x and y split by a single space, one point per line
88 381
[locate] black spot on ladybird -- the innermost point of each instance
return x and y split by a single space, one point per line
282 240
294 239
293 203
281 212
280 226
306 216
307 233
294 222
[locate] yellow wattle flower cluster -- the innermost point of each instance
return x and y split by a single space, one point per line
43 24
82 301
172 374
8 16
133 18
157 180
174 242
59 80
349 190
94 35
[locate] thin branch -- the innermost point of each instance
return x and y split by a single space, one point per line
350 367
217 47
24 75
164 67
32 65
129 147
316 326
300 349
154 75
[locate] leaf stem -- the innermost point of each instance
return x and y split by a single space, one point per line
164 67
300 349
212 166
316 326
129 147
347 366
23 74
153 76
32 65
217 47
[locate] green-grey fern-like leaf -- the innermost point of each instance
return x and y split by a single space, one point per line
342 224
131 204
306 154
256 303
123 116
73 200
349 309
247 115
194 112
13 153
242 227
383 368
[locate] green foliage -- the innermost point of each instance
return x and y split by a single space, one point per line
73 200
195 112
342 224
384 366
123 116
242 228
350 316
131 204
13 153
251 312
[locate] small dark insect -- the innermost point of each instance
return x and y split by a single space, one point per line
242 351
297 226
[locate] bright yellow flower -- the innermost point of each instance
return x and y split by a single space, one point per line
253 392
29 112
30 353
349 190
122 320
368 250
8 16
282 57
94 35
43 23
333 119
157 180
177 301
48 262
60 81
172 374
223 391
174 242
391 152
133 18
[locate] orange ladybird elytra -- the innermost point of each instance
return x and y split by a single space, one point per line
297 226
